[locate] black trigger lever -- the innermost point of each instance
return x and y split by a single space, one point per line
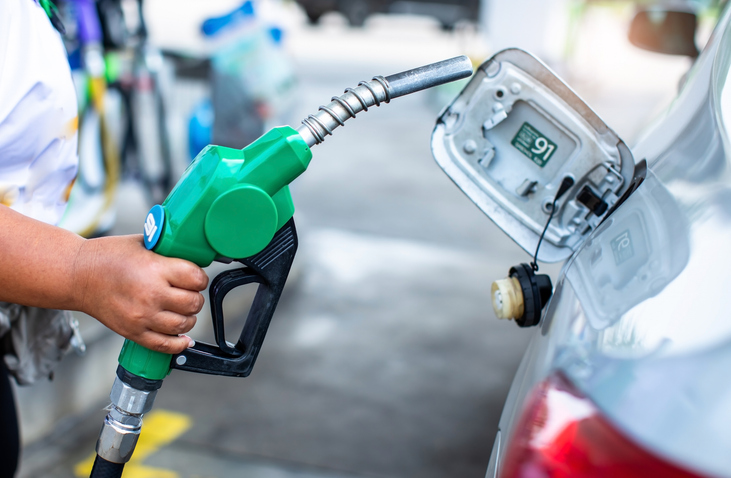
269 269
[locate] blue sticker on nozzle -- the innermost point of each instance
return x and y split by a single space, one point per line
153 225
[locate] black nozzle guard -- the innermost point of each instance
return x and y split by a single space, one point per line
536 288
269 268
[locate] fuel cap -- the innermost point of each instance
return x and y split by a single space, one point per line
522 295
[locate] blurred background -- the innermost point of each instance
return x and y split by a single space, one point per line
384 358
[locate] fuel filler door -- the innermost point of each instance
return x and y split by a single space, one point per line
511 138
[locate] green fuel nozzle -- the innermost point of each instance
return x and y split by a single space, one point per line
229 203
235 205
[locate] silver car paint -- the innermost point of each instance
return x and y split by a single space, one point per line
656 358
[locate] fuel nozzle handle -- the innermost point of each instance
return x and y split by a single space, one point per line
379 90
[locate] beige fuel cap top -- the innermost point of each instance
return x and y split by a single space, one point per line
507 298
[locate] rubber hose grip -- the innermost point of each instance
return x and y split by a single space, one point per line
106 469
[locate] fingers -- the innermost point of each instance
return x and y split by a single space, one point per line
169 344
185 275
181 301
167 333
170 323
143 296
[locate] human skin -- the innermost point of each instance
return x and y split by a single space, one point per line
143 296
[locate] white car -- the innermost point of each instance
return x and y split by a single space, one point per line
628 372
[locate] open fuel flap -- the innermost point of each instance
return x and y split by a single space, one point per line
513 136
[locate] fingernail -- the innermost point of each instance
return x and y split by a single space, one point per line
191 342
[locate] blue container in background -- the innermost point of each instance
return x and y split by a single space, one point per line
200 127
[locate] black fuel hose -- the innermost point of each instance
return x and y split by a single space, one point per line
106 469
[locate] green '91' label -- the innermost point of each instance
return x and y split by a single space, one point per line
533 144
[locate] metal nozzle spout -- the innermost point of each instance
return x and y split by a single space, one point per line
424 77
379 90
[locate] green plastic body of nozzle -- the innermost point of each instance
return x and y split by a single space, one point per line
144 362
228 204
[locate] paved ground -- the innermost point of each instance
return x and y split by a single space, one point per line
384 358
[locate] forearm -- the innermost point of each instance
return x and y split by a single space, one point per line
38 263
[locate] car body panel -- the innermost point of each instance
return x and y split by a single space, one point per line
646 333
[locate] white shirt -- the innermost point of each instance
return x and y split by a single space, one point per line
38 113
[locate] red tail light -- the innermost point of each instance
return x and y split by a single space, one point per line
562 434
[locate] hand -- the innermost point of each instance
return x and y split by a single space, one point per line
145 297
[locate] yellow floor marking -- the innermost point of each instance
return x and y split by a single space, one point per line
159 428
